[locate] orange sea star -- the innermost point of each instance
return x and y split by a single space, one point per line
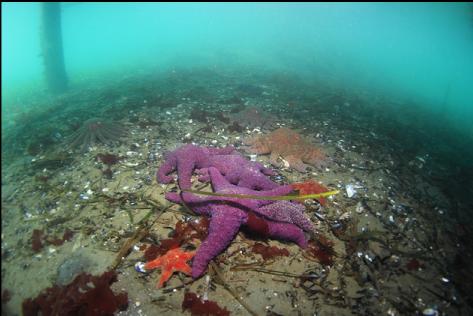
174 260
289 145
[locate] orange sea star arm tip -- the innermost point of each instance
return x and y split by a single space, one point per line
153 264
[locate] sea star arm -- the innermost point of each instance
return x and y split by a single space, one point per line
287 231
296 163
203 174
273 159
156 263
286 211
166 168
184 196
224 225
280 190
184 269
220 183
165 275
264 170
185 167
255 180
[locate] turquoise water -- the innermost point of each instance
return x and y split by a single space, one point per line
95 96
417 51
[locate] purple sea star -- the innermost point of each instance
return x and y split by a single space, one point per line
286 211
228 214
236 168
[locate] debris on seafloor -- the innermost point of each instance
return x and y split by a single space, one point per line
86 295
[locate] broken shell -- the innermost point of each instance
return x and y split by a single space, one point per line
430 312
140 267
350 190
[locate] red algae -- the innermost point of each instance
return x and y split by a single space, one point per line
414 264
311 187
269 252
108 159
36 242
86 295
202 308
39 240
322 250
59 241
257 226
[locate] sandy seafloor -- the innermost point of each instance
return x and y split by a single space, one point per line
396 215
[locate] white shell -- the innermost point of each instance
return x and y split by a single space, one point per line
430 312
140 267
350 190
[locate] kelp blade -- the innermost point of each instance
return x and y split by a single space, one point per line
271 198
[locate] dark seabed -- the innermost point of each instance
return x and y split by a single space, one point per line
79 194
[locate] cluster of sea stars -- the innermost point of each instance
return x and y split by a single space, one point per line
230 173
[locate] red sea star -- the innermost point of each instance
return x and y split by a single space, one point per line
288 144
174 260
